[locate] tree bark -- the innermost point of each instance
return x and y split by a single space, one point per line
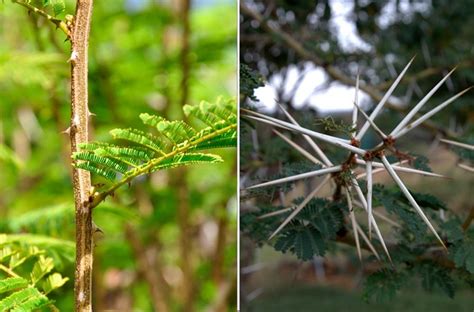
79 134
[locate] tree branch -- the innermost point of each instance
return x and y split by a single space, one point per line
79 135
59 23
332 71
150 270
468 220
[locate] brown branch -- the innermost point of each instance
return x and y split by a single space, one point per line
424 74
468 220
219 254
81 178
59 23
150 268
332 71
225 291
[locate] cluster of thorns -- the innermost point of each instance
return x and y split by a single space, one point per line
343 174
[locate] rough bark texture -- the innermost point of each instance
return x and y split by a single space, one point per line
81 178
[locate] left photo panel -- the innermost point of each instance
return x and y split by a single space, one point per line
118 158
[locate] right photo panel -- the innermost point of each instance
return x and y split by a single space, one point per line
356 155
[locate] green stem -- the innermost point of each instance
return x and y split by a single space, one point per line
59 23
8 271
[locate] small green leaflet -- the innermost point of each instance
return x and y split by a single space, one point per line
58 6
304 241
12 283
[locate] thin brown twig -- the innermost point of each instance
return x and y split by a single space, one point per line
151 271
468 220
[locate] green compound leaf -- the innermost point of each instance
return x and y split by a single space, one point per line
58 6
140 138
172 144
383 285
433 276
462 253
95 159
174 131
303 241
26 299
106 173
249 81
12 283
53 281
221 141
188 159
324 216
43 266
20 293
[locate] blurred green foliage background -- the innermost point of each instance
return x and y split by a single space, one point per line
135 66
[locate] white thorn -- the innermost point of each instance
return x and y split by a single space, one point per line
310 141
380 167
420 104
385 218
410 198
67 131
459 144
356 106
371 247
300 207
383 101
323 137
374 223
299 149
466 167
369 195
299 176
426 116
371 122
275 213
73 58
354 222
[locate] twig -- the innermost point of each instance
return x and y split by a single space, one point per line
8 271
59 23
468 220
150 271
